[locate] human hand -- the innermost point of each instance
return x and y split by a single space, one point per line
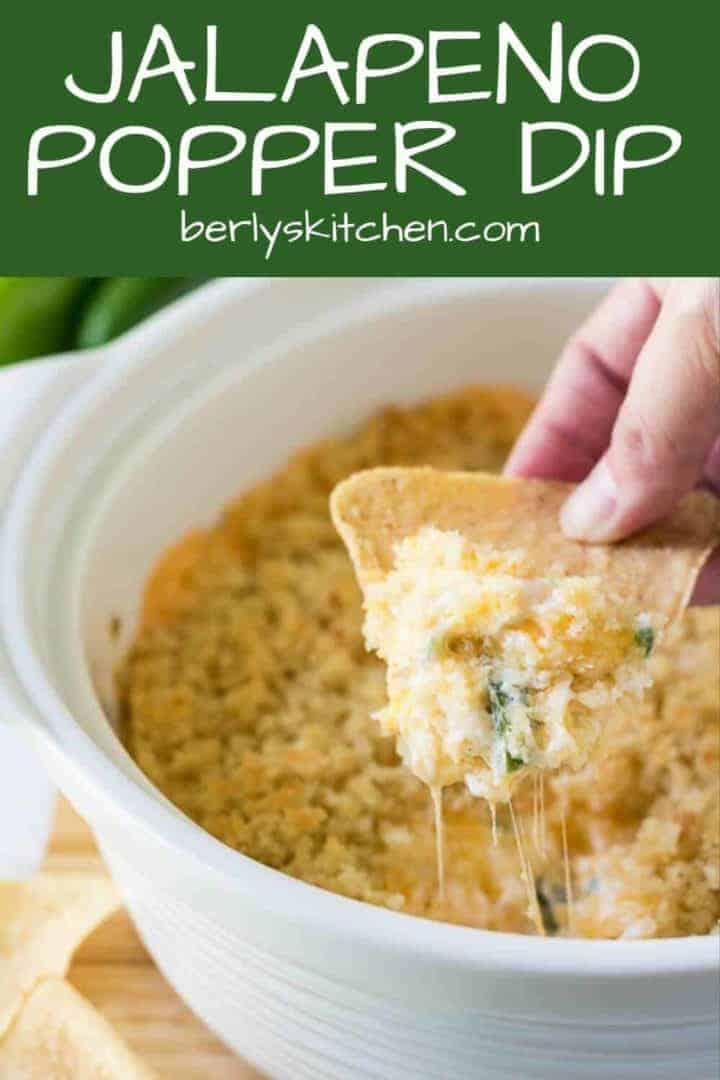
633 410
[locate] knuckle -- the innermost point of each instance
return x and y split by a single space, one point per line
696 306
646 452
711 476
710 331
699 350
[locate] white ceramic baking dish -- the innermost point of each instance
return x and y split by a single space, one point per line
121 452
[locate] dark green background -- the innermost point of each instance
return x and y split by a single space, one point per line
667 222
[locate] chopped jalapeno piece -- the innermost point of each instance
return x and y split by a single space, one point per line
512 764
499 698
547 913
645 638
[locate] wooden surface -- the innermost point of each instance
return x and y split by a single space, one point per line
115 972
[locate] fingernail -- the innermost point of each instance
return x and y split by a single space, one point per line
707 586
590 511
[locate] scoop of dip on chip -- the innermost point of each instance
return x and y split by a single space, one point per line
490 673
507 645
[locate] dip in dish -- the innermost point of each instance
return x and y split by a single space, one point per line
248 699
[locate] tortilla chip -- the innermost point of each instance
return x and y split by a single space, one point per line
58 1035
42 921
654 570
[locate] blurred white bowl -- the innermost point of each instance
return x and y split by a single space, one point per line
168 424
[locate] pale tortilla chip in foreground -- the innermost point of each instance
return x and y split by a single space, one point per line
655 569
58 1035
42 921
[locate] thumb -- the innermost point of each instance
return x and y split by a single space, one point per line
666 425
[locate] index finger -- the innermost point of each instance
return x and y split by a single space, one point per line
572 424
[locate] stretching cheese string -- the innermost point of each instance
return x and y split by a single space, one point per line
527 873
436 794
568 876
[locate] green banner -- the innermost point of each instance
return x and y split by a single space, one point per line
406 138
